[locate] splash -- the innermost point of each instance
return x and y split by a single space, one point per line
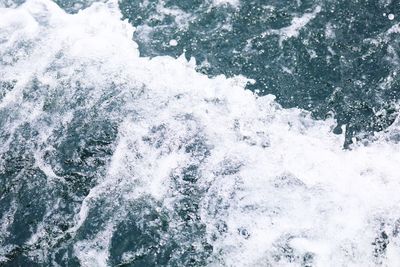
113 158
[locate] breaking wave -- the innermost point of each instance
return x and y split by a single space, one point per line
109 158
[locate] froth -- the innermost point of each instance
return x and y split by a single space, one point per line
271 186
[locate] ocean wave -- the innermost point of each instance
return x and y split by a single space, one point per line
109 158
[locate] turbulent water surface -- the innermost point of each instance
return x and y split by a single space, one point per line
199 133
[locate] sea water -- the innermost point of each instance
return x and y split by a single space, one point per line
199 133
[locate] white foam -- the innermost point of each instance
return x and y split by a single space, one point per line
234 3
94 252
6 220
293 30
181 18
329 31
274 176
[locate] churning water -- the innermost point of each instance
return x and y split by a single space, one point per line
199 133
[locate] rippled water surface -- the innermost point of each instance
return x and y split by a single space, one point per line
199 133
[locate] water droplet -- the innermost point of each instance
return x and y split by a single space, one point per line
173 42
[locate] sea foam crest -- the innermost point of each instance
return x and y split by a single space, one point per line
199 169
